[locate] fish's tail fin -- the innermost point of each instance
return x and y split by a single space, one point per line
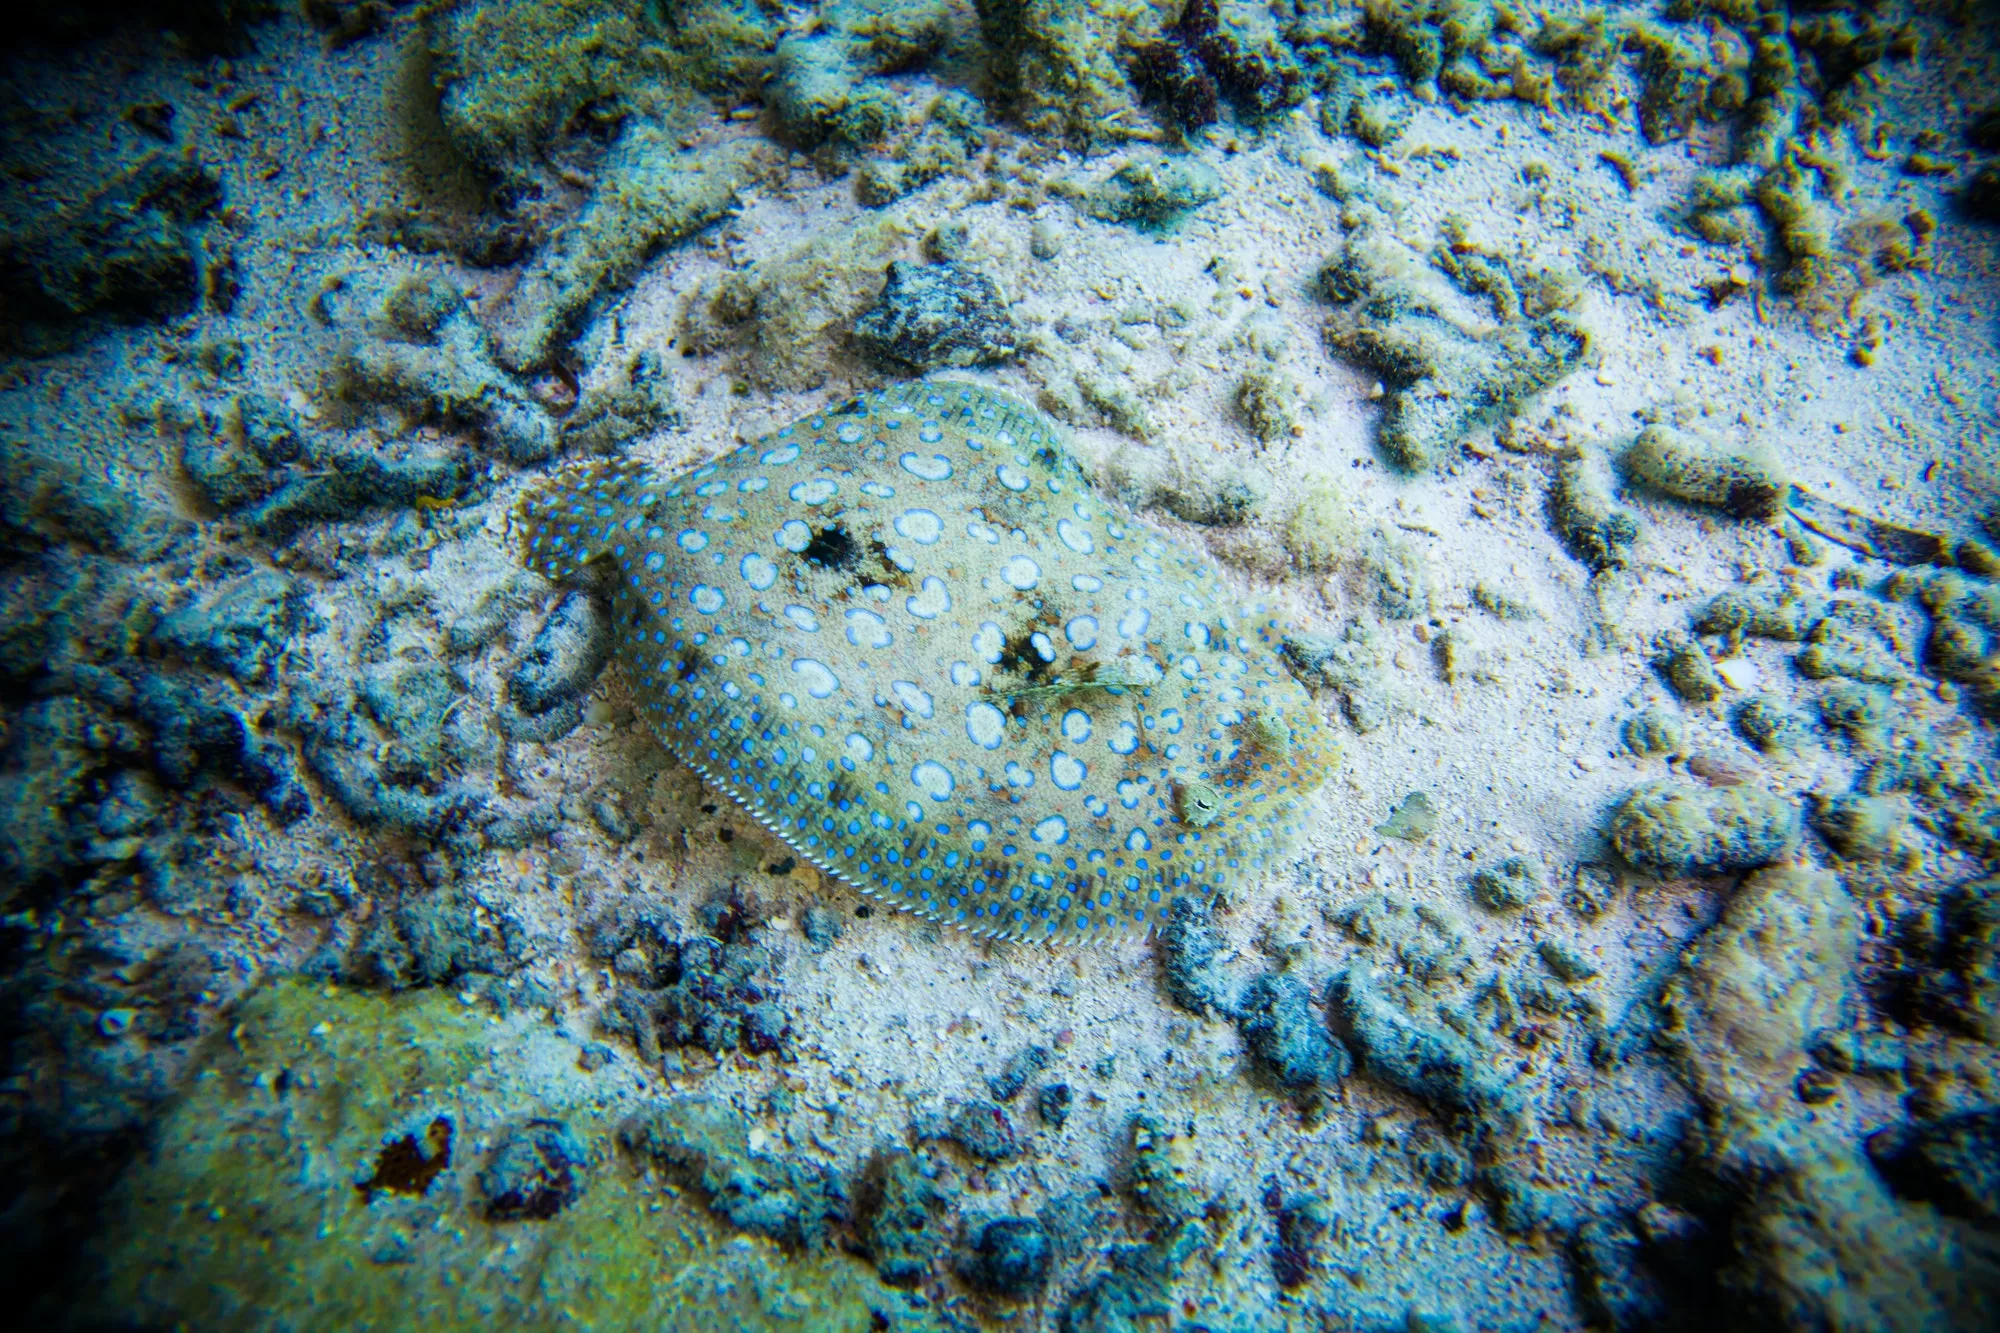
575 518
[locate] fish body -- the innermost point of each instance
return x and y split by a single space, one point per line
907 636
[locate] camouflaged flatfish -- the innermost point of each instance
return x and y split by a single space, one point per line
907 636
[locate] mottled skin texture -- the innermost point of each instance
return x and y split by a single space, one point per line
908 637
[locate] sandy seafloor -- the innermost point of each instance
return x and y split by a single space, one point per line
1609 1191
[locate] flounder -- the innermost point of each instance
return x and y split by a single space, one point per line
907 636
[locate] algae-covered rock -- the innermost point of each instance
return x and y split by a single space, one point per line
1691 673
1426 1060
1059 64
128 252
1653 731
1218 52
636 399
322 1170
349 484
1761 612
1670 829
1953 1163
1965 984
907 1212
1757 984
792 1202
1770 727
1861 828
1153 194
789 313
240 626
1854 709
1459 339
649 195
1584 515
47 499
1190 947
1009 1257
513 75
1743 480
1509 886
535 1173
1815 1240
563 660
439 368
1286 1036
936 315
1428 944
1687 77
818 89
1321 531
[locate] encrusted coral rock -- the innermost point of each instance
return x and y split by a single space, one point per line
1670 829
936 315
533 1174
1743 480
899 634
1460 340
1753 987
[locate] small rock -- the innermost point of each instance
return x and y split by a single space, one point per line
1742 480
1191 945
1692 675
1287 1036
1719 770
1010 1258
1303 1221
1155 194
983 1130
1673 830
936 315
1654 731
240 626
1596 531
1413 820
904 1232
534 1173
1052 1104
1872 1053
1431 1062
1770 727
1565 962
821 927
1020 1067
565 657
1860 828
1592 891
1509 886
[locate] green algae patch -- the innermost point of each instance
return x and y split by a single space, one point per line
323 1169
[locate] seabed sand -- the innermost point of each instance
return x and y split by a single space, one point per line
323 832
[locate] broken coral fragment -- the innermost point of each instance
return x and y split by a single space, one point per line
1670 829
